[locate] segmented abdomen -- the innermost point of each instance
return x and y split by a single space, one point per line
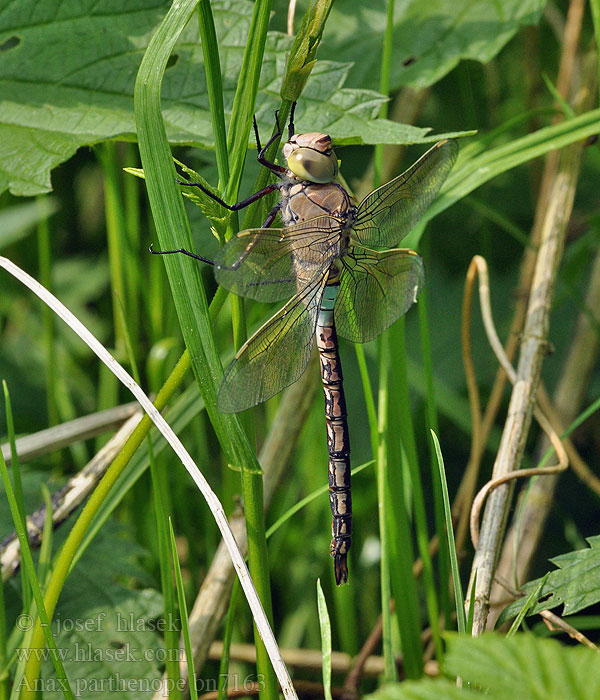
338 443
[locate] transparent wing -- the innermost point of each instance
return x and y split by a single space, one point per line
272 264
375 290
388 214
276 355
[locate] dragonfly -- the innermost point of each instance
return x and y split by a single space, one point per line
333 261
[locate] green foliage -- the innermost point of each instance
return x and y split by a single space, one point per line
103 626
81 93
575 584
497 668
429 38
109 631
67 76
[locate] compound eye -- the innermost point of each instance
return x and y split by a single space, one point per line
308 164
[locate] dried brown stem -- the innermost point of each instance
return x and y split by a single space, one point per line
479 265
561 193
308 659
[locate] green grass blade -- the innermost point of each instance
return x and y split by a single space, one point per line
173 232
531 600
183 615
458 596
29 575
472 171
325 626
384 509
18 484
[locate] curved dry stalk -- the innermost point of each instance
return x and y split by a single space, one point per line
532 510
466 490
479 265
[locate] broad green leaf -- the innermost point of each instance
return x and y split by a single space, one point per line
107 632
67 76
524 667
426 689
430 38
575 584
497 668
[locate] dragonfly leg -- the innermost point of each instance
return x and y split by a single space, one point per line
232 207
262 151
271 216
291 128
181 250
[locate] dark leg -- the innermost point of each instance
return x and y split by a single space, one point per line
291 128
277 169
271 217
232 207
261 158
180 250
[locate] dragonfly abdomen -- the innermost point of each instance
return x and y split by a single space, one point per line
338 443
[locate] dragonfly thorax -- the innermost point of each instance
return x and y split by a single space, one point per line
302 200
310 157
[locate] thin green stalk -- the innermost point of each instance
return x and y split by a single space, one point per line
224 662
214 87
4 680
389 656
245 95
115 228
183 615
368 395
397 332
17 482
45 278
384 83
432 425
134 274
43 624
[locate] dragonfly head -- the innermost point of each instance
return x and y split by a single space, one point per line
310 157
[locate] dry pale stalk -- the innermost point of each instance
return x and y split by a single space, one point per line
554 225
529 521
478 263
